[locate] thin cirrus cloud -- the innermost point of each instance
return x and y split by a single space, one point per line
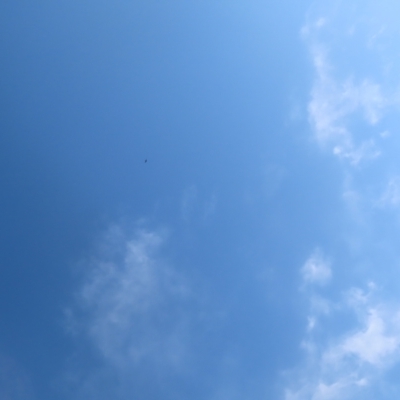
317 269
332 103
391 195
354 363
351 341
134 310
340 95
354 98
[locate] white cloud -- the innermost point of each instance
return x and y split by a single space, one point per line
371 100
344 366
317 269
366 150
352 344
331 105
341 93
354 100
391 196
133 308
371 344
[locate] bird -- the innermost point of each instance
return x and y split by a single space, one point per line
145 161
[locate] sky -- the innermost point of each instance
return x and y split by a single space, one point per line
254 255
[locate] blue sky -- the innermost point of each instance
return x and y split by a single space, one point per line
254 255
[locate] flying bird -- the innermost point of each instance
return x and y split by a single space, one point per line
145 160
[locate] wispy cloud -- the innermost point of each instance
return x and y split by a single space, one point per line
351 341
15 384
332 103
391 195
344 98
128 296
133 308
351 364
372 344
317 269
354 96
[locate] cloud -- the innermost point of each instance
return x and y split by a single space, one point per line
391 196
351 339
331 105
354 97
350 96
134 310
371 344
317 269
15 384
121 294
348 365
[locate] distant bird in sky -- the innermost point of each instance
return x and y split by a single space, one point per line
145 160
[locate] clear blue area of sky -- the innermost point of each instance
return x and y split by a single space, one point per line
238 188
